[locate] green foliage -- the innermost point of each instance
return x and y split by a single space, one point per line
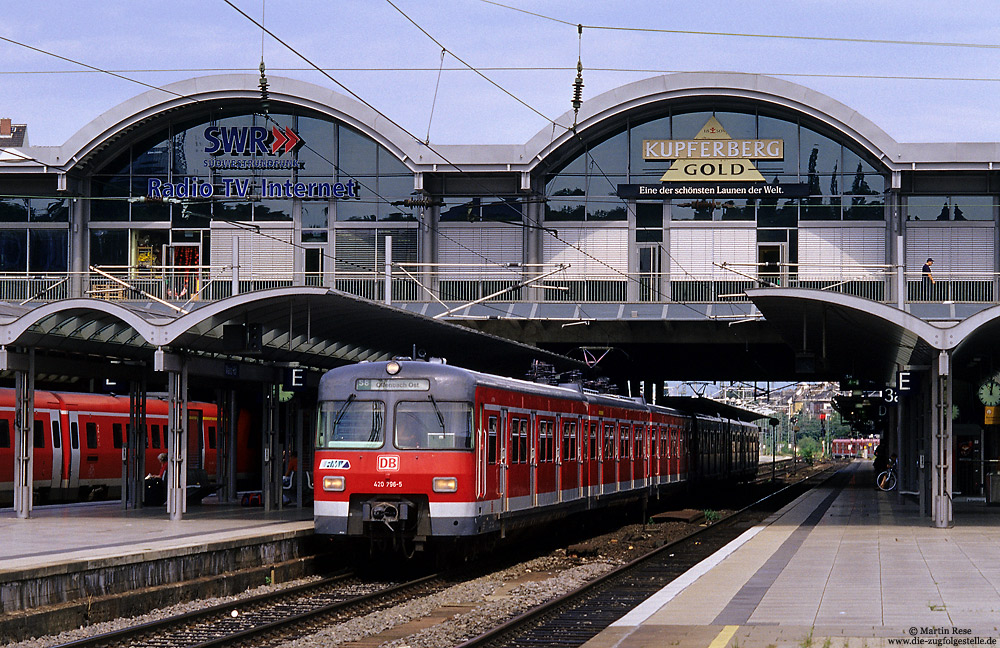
711 516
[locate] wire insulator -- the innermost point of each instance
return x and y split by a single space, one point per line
578 88
264 102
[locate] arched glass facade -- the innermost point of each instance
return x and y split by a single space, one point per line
842 184
296 182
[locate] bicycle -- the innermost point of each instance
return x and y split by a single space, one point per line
886 479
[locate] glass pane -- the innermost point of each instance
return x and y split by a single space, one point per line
152 159
14 210
821 159
649 215
315 213
433 424
49 210
738 209
772 128
610 157
357 155
273 210
108 247
557 209
13 250
319 152
977 208
351 424
640 168
49 250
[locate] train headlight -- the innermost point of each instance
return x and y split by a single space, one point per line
445 485
392 367
334 483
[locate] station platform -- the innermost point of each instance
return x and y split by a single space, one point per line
84 560
844 565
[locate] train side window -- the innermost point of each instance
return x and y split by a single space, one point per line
4 433
569 441
522 453
491 441
211 437
609 441
623 441
154 436
637 441
116 435
91 429
74 435
515 442
56 437
38 430
593 440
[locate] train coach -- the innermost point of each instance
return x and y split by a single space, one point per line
78 439
412 455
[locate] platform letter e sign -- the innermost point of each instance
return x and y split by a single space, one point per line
387 462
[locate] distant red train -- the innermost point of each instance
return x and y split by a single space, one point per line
78 440
847 448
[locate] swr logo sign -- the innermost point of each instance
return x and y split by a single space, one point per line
387 462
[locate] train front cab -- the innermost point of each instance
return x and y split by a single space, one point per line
395 454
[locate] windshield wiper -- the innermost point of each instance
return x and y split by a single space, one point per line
343 410
437 411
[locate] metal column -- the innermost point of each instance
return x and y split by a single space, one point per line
270 468
941 442
134 452
24 416
177 422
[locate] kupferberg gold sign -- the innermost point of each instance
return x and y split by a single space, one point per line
772 149
713 155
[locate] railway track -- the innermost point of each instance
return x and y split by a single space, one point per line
269 618
576 617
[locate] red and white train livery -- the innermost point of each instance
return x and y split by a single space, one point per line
409 452
78 440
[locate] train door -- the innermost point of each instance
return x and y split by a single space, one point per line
593 465
490 456
518 476
533 459
569 452
73 474
503 461
57 449
609 467
42 451
196 441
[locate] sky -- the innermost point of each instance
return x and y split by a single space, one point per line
385 52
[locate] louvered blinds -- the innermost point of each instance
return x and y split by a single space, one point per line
363 250
962 250
695 251
592 252
484 247
265 252
840 252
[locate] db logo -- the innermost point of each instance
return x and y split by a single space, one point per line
387 462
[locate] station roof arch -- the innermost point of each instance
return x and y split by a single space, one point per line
608 111
834 335
198 97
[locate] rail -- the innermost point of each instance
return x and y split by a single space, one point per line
457 284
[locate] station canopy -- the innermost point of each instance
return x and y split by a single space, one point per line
314 328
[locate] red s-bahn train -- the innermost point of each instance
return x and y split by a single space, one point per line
413 454
78 440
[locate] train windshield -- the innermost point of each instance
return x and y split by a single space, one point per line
350 424
434 424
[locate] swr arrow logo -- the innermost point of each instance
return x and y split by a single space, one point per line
288 139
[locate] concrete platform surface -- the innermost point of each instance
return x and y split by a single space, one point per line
845 565
104 532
